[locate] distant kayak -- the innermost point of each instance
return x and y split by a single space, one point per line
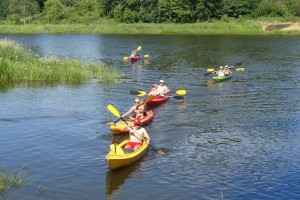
222 78
134 59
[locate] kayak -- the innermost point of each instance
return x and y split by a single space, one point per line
134 59
118 127
222 78
158 100
117 158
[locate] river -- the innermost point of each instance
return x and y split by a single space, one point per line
237 139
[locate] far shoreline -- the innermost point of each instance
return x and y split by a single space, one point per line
232 27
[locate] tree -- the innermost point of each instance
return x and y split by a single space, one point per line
23 10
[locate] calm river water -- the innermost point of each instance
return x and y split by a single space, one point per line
237 139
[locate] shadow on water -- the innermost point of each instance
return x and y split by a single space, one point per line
116 178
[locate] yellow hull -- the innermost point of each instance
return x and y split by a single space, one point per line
117 158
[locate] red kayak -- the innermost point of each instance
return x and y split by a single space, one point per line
158 100
134 59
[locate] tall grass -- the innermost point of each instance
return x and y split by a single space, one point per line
225 26
10 179
19 64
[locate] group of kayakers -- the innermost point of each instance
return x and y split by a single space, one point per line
137 133
223 71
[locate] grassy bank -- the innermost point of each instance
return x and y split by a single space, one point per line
18 64
226 26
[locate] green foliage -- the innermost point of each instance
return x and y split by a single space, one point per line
145 11
235 9
269 8
10 179
293 6
19 65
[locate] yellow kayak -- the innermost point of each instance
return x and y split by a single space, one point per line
120 125
117 158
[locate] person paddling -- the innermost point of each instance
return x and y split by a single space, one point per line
162 89
138 109
136 135
227 71
153 91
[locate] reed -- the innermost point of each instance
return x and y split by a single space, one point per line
19 64
10 179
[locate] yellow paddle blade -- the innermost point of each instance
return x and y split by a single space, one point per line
139 48
146 56
181 92
141 93
210 70
240 69
125 58
113 110
150 98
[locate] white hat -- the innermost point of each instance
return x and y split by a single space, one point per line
162 81
221 67
137 100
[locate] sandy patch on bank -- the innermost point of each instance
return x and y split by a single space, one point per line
282 26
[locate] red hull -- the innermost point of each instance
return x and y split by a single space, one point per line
134 59
158 100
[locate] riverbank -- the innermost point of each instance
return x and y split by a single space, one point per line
19 64
225 27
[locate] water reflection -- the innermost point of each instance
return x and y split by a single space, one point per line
6 85
116 178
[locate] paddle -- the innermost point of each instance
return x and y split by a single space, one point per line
125 58
142 93
210 71
115 112
150 98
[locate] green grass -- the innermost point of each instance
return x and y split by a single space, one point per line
10 179
19 64
241 26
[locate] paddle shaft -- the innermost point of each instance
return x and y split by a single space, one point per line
138 134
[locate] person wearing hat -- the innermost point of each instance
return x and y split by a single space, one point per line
227 71
153 91
133 54
162 89
220 72
136 135
138 108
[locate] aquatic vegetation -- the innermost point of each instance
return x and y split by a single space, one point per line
10 179
20 64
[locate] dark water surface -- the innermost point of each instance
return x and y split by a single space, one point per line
240 137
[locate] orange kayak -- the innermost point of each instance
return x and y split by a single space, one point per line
118 127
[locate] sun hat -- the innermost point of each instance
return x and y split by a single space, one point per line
162 81
226 66
221 67
136 100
